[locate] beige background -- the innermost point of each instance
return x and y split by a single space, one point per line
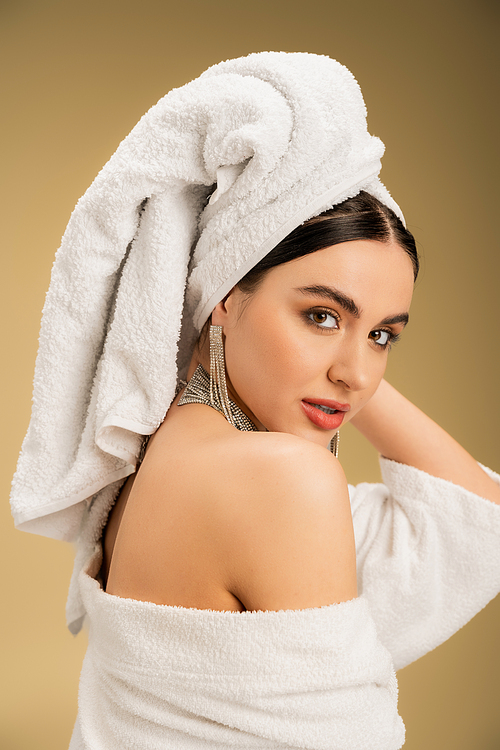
76 76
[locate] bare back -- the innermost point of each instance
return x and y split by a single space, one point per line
195 527
155 546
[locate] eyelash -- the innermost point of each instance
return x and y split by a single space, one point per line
393 337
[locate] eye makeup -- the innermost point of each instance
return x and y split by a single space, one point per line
319 317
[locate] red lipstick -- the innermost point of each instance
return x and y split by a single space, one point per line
330 420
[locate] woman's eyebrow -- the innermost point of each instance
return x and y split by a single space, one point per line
401 318
320 290
347 303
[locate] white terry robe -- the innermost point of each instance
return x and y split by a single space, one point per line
428 556
157 676
428 560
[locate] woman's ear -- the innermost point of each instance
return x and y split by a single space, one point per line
224 313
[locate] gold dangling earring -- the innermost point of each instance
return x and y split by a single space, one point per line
218 388
334 444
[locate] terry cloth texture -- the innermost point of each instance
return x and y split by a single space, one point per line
427 554
209 181
156 676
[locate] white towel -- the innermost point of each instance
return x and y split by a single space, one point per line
157 676
272 139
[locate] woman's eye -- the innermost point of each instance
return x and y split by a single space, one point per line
323 319
382 338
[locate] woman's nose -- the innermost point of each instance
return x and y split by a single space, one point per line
351 366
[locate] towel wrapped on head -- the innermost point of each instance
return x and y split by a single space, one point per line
207 183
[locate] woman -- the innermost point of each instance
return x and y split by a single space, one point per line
225 612
306 344
293 377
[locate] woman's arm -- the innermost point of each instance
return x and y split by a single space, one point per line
403 433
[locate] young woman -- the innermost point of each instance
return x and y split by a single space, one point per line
239 594
229 520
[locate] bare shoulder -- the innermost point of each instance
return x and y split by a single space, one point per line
290 541
289 468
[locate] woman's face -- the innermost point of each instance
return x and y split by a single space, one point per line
316 333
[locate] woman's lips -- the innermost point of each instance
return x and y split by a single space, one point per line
321 418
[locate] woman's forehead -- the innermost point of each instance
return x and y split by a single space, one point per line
366 268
